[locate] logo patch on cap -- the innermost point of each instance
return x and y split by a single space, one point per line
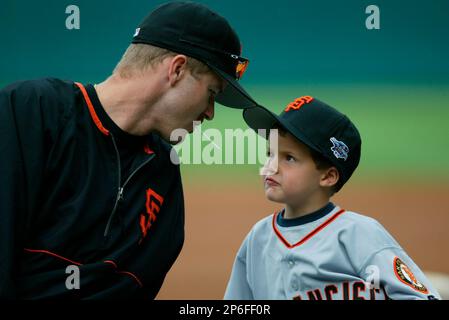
340 149
298 103
406 276
136 33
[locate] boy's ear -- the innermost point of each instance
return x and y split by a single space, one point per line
330 177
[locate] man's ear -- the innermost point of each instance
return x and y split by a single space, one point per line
177 68
329 177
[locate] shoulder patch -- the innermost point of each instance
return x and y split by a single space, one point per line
405 275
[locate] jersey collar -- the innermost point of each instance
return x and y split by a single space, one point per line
313 216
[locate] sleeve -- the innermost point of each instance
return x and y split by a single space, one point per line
393 271
238 287
24 134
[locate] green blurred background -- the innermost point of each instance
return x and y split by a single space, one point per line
392 82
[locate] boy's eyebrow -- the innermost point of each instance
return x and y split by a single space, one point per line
287 150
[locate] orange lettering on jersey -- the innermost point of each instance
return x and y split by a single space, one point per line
314 294
330 290
298 103
153 206
372 293
356 288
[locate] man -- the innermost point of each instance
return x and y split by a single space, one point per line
90 204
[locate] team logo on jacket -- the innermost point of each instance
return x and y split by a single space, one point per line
153 206
340 149
406 276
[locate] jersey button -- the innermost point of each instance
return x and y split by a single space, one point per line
291 263
295 286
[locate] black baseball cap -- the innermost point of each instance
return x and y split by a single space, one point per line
317 125
196 31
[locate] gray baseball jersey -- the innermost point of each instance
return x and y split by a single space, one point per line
331 254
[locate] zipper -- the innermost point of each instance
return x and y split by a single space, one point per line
121 187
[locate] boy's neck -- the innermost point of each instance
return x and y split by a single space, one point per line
300 210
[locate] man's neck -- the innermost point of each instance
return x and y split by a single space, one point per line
127 103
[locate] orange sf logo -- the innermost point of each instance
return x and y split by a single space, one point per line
153 206
298 103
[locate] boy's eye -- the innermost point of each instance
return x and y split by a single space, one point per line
290 158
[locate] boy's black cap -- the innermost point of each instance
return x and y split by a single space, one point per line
196 31
317 125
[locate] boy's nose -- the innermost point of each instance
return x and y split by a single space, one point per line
270 168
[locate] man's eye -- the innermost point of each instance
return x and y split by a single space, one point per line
290 158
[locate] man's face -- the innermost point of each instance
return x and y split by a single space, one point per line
192 99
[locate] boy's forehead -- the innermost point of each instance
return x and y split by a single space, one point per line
286 140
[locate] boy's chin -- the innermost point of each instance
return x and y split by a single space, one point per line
273 197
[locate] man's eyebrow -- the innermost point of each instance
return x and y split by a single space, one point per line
215 89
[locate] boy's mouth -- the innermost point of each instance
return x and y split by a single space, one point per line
271 182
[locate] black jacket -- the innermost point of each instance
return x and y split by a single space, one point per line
65 200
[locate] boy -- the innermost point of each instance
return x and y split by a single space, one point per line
313 249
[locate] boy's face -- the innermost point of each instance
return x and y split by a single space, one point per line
291 176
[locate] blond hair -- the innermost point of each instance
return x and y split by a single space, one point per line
138 57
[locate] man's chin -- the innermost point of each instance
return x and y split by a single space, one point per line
177 136
173 140
174 143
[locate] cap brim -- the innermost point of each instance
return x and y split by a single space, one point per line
233 96
261 118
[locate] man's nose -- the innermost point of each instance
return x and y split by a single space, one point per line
210 111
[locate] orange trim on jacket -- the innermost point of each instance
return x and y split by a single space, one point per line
147 149
54 255
92 112
132 275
